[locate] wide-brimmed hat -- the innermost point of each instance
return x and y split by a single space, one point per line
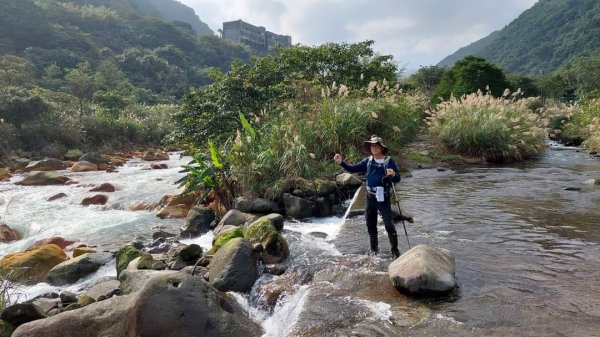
375 140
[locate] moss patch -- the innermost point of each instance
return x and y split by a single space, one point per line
260 230
224 238
127 254
418 157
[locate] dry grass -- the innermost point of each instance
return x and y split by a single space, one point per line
500 129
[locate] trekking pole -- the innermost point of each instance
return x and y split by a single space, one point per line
401 216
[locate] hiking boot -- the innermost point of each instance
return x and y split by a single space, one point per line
394 244
374 245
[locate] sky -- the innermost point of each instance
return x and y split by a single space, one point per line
416 32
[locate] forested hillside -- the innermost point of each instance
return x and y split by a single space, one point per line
544 38
173 11
162 57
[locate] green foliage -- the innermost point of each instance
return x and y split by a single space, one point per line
18 105
15 71
470 75
427 78
498 129
545 37
418 157
525 83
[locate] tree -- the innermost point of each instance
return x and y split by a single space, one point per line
81 83
427 78
19 105
525 83
53 77
112 102
15 71
470 75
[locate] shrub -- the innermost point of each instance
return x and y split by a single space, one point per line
498 129
592 112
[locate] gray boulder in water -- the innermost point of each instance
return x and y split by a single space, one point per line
167 305
424 270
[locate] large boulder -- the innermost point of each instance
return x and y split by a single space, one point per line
348 181
175 211
233 218
8 234
5 174
127 254
224 237
255 205
39 178
155 156
72 270
263 232
94 157
54 240
46 164
167 305
276 219
32 266
105 187
324 187
73 155
299 208
234 266
197 221
98 199
424 270
17 163
22 313
84 166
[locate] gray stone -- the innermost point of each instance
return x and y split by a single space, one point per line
94 157
348 181
68 297
22 313
197 222
299 208
324 187
46 164
234 266
72 270
176 304
424 270
133 280
38 178
107 289
276 219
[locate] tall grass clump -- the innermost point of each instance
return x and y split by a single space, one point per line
497 129
591 110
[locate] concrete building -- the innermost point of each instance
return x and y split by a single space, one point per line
257 38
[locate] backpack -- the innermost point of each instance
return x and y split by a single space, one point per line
386 161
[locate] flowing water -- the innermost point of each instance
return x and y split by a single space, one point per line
526 250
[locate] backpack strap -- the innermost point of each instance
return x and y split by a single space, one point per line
386 162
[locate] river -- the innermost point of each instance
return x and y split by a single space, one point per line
526 250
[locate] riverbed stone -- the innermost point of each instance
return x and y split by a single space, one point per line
5 174
234 266
22 313
56 197
46 164
155 156
8 234
40 178
73 154
220 240
98 199
188 306
94 157
84 166
424 270
72 270
104 187
32 266
197 221
54 240
255 205
17 163
299 208
78 251
274 247
324 187
125 255
107 289
348 181
175 211
276 219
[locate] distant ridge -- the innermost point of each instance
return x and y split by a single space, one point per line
171 10
542 39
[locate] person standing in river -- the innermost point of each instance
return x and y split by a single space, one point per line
381 172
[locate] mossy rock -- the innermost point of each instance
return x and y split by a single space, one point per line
127 254
324 187
73 155
224 238
260 230
6 329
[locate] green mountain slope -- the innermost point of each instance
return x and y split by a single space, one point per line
543 38
172 11
157 55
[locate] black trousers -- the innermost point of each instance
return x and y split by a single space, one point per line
385 209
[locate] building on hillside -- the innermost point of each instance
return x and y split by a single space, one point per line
257 38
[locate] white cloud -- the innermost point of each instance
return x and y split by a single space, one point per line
415 32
